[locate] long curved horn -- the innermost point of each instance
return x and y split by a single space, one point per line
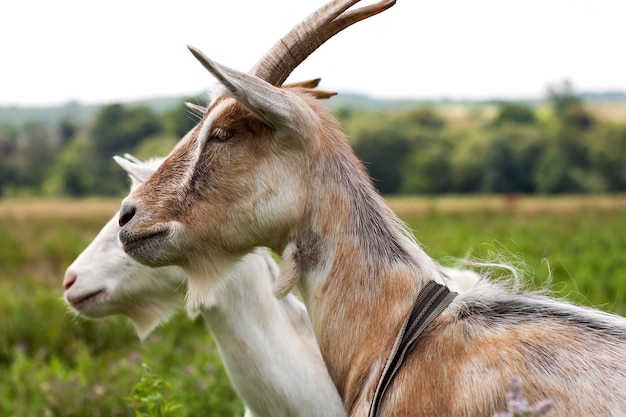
308 35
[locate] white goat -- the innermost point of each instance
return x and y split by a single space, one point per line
103 281
270 167
267 345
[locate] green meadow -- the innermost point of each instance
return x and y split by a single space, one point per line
55 364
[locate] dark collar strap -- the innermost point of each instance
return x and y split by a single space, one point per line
431 301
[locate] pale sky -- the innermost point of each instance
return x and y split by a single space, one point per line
97 52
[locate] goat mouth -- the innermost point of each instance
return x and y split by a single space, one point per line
132 242
85 300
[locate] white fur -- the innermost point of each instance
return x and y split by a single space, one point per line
267 345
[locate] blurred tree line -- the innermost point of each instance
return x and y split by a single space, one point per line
76 160
517 150
563 149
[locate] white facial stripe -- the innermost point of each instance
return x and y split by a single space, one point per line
205 129
203 136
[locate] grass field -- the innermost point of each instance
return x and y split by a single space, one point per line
53 364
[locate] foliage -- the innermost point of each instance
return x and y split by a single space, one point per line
572 252
159 145
54 364
72 174
426 118
551 173
25 156
563 98
514 113
180 119
512 153
148 399
508 148
73 160
383 151
516 151
117 130
427 168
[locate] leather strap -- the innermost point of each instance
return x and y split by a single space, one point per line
430 302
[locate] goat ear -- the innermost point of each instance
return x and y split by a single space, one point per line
268 103
134 167
309 87
321 94
304 84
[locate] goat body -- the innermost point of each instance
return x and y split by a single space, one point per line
309 198
268 166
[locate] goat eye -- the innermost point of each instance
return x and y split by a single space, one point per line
220 134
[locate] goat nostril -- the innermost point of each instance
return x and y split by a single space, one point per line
127 212
69 280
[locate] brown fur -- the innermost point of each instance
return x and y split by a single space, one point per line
298 188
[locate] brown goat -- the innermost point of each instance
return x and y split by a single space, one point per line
268 166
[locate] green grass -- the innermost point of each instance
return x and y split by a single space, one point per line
579 256
52 364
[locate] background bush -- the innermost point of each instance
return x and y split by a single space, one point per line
554 146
